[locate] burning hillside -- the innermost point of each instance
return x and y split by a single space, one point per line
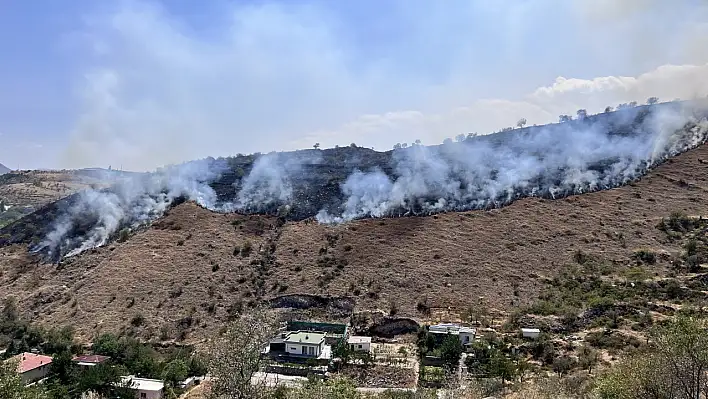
594 153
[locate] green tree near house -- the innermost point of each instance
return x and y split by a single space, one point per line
451 352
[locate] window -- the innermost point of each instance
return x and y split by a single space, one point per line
143 395
304 350
361 346
312 351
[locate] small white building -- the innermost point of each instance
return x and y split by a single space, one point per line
32 367
144 388
359 343
466 334
532 333
305 343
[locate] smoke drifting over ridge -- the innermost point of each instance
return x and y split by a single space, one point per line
570 158
337 185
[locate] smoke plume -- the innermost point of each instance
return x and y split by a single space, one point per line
95 216
593 153
553 161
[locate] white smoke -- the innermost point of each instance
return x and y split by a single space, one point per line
489 171
574 157
98 215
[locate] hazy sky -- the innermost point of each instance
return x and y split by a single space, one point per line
144 83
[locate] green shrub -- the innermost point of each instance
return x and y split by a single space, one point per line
644 256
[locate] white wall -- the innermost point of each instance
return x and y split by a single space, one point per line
296 349
362 347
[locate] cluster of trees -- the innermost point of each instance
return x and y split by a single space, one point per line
399 146
67 380
673 365
448 349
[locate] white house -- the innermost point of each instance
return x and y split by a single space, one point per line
32 367
144 388
306 343
359 344
530 332
465 334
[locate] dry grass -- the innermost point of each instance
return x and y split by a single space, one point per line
38 188
167 272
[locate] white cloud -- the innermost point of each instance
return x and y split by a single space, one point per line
544 105
276 77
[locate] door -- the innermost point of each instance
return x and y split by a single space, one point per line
304 350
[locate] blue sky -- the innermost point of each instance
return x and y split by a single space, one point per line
145 83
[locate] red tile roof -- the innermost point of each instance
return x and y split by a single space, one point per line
90 359
30 361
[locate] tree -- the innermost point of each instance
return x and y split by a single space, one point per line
447 141
397 146
235 357
175 372
564 118
342 351
404 145
674 365
582 114
471 135
101 379
521 123
352 145
62 367
418 142
316 146
652 100
10 313
451 351
608 109
563 364
502 367
460 138
107 345
588 358
632 104
522 367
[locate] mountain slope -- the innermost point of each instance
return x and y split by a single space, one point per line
593 153
4 169
184 275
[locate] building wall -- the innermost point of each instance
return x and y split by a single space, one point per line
148 394
296 349
36 374
362 347
466 338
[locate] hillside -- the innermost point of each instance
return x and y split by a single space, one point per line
596 152
188 271
4 169
24 192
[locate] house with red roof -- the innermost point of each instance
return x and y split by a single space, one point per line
32 367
